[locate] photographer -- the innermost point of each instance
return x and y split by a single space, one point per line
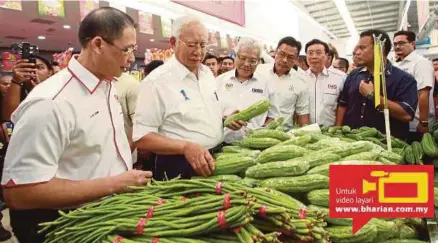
25 77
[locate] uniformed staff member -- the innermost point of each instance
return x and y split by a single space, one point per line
178 114
324 84
241 87
291 87
356 103
69 146
422 70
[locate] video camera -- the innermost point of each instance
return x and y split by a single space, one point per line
26 50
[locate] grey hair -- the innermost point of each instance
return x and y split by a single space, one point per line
250 43
179 24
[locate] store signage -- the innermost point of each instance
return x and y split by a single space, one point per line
54 8
363 192
229 10
11 4
86 6
8 61
145 23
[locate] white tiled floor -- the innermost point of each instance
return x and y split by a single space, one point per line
5 222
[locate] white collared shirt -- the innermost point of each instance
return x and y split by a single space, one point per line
69 127
292 92
423 72
236 95
324 92
174 103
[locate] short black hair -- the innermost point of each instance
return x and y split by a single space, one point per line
435 60
344 62
376 32
54 64
303 58
290 41
45 61
210 56
152 65
227 57
409 35
317 42
106 22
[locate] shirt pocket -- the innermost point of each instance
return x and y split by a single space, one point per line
331 99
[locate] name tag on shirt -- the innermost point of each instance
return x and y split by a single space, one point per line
332 86
260 91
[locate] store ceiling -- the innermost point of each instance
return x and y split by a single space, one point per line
366 14
27 25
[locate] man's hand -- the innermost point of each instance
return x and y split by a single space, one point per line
131 178
199 158
24 71
236 125
422 129
366 88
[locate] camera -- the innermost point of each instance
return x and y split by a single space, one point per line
26 50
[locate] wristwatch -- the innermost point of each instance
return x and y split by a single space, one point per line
16 82
424 123
370 96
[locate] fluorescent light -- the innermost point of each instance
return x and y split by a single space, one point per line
312 20
152 40
66 26
405 13
41 37
345 13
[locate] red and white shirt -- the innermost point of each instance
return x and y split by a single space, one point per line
68 127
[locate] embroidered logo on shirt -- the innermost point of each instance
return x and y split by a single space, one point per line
257 91
291 88
116 97
228 86
184 95
332 86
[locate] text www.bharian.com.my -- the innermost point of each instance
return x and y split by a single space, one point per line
381 209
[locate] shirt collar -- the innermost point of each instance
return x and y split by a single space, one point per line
83 75
179 70
388 68
274 71
324 71
410 57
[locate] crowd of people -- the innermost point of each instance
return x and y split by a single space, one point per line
79 132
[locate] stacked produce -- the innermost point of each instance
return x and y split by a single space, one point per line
297 163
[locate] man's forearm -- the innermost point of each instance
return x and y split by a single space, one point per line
396 111
58 193
303 120
161 145
11 100
423 104
340 115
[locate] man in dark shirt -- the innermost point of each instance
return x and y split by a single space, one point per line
356 102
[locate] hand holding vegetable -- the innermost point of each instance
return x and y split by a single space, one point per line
131 178
199 158
236 124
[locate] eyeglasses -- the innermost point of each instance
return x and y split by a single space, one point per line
282 55
400 43
251 61
126 50
315 53
194 45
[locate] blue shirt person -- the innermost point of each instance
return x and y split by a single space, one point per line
356 102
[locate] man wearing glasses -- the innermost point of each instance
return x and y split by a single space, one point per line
291 87
178 115
241 87
422 70
69 146
324 84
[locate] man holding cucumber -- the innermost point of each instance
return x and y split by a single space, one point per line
178 114
69 146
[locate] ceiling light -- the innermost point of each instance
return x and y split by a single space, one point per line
41 37
405 14
66 26
345 14
152 40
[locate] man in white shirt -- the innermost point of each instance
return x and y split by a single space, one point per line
241 87
291 87
69 146
422 70
324 84
178 115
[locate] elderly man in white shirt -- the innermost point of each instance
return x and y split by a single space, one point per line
178 114
325 85
291 87
241 87
69 146
422 70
